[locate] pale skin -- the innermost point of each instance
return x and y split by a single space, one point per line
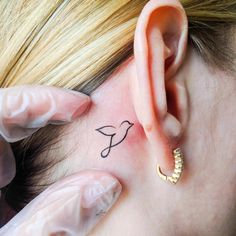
202 123
204 200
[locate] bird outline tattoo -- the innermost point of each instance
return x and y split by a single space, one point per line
117 135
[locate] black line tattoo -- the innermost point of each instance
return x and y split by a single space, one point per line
117 135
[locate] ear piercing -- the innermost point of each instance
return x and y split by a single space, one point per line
179 166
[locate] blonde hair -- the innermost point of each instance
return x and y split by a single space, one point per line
77 45
70 43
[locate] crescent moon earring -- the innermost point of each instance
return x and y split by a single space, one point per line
179 166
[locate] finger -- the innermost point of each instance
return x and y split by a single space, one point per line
7 164
25 109
71 207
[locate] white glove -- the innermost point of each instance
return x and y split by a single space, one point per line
25 109
71 207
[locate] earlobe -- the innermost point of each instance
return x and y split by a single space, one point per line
159 49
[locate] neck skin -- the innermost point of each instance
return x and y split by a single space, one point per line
148 205
137 211
145 207
174 100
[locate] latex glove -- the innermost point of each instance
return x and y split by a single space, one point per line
25 109
70 207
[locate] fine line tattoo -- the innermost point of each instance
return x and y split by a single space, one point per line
117 135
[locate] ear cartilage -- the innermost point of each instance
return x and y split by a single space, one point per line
179 166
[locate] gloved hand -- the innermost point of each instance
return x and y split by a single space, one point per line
71 207
25 109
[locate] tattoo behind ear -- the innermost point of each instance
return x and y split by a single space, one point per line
116 135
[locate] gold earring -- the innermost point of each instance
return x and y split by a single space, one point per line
179 166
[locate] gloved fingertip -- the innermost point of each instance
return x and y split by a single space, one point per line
97 199
84 104
80 103
104 191
81 96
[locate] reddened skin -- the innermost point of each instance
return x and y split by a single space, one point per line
159 50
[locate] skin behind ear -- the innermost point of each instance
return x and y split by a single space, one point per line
159 48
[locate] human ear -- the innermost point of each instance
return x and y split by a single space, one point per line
160 101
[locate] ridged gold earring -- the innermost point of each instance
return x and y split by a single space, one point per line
179 166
